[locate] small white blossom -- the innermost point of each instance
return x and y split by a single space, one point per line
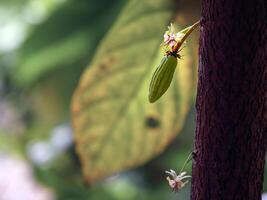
176 181
171 39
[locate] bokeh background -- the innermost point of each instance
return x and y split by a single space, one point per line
45 45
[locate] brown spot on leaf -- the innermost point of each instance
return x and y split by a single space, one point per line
103 66
152 122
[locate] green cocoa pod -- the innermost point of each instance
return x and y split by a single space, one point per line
162 78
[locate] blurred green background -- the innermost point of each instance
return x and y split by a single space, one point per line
44 47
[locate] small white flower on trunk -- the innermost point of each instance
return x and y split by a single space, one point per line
176 182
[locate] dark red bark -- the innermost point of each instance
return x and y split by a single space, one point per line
231 131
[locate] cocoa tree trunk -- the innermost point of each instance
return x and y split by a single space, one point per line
231 131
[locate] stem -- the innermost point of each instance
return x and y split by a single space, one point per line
189 158
187 31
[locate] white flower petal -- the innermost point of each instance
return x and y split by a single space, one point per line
172 171
182 174
184 177
173 175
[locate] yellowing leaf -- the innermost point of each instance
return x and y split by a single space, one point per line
116 128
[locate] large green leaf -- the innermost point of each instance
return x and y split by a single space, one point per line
69 36
115 126
55 53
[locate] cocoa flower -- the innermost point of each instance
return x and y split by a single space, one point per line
176 182
171 39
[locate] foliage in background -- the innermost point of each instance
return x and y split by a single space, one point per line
55 53
68 37
48 65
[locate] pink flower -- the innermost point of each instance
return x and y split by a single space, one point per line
176 181
171 39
